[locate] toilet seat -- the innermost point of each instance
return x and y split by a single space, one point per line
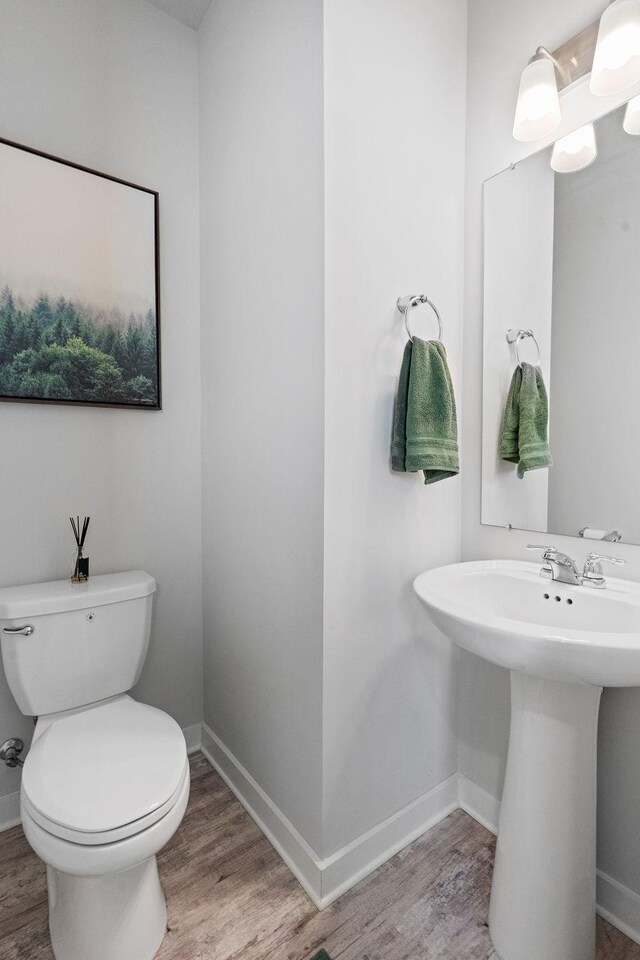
105 773
108 836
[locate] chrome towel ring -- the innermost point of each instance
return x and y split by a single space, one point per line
517 336
405 304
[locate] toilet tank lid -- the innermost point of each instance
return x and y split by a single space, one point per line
60 596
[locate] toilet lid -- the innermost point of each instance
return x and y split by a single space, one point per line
106 766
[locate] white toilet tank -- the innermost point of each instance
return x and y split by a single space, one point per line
67 644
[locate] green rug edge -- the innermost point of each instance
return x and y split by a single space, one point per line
322 955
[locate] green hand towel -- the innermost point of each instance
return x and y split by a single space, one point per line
425 434
399 439
524 439
509 449
533 438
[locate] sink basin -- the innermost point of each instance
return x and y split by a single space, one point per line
503 611
562 644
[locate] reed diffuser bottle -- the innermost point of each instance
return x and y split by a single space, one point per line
81 569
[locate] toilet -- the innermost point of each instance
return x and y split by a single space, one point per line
106 782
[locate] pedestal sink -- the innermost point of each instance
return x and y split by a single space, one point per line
562 644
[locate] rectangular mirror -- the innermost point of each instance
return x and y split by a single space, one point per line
562 258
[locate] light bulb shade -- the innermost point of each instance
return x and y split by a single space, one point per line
616 63
575 151
538 107
632 117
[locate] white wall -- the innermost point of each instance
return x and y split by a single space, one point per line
262 366
113 86
394 154
383 143
502 37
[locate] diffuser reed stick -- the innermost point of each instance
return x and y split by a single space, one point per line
81 569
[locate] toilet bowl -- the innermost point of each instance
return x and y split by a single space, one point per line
103 790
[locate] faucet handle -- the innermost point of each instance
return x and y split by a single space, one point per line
546 571
594 558
546 548
592 572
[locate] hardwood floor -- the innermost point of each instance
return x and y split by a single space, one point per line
230 896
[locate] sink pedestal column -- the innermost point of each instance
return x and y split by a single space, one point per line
544 884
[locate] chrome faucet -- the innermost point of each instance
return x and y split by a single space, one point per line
560 567
557 565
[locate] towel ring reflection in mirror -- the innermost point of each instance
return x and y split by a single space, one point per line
405 304
516 337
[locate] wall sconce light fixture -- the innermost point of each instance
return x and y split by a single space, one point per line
575 151
538 107
609 50
616 61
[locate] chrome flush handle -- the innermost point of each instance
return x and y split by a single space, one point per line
25 631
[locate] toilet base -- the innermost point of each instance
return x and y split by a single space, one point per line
120 916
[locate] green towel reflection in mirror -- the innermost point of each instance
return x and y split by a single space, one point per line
524 437
425 427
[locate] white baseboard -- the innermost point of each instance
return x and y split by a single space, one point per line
616 903
619 905
327 879
9 811
478 804
358 859
294 850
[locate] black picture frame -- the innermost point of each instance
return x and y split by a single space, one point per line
128 371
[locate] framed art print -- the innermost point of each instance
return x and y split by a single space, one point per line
79 286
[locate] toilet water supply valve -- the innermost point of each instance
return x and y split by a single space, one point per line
10 752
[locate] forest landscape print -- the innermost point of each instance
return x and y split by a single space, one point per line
78 285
